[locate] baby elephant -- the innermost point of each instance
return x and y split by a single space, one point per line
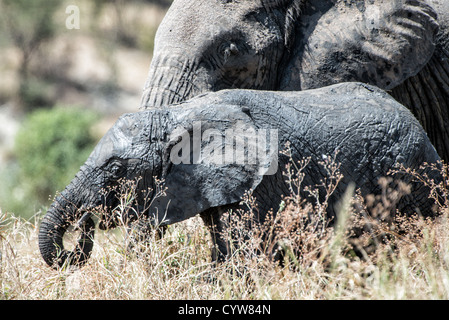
212 149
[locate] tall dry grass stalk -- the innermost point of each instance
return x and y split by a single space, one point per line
366 254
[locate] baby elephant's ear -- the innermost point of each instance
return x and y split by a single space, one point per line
371 41
214 161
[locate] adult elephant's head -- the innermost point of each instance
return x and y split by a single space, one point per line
286 45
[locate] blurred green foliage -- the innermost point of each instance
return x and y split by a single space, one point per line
54 142
50 148
36 92
28 24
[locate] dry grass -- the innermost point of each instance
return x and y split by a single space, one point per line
397 258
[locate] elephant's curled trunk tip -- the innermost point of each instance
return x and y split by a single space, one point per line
51 233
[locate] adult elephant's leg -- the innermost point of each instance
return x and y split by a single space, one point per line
427 96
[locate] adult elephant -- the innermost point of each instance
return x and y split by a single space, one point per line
198 148
296 45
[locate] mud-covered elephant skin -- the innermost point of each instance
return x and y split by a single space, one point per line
370 130
293 45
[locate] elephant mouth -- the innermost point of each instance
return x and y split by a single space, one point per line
85 228
124 205
115 214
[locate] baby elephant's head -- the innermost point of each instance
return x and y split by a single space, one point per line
119 170
163 165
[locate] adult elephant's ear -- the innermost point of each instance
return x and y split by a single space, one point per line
213 157
371 41
427 93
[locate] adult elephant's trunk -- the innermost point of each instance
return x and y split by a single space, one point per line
427 96
172 79
62 214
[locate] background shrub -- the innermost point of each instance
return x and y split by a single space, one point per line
50 148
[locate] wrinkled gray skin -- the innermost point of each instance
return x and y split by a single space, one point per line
397 45
369 128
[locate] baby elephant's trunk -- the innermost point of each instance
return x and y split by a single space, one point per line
54 225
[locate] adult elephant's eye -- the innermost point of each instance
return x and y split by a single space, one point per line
231 50
228 50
